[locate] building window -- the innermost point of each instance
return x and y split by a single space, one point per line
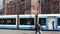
10 2
33 7
11 9
28 0
8 9
14 7
38 1
50 0
46 9
44 1
55 9
22 0
28 7
18 1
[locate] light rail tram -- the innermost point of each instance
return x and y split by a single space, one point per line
27 22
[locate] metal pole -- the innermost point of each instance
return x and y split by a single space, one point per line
40 6
36 18
5 6
25 8
59 6
18 22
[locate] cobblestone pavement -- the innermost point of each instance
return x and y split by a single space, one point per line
43 32
4 31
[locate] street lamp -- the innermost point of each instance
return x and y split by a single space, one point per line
18 21
36 16
40 5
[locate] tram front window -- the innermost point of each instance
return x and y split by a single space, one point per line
42 21
26 21
58 21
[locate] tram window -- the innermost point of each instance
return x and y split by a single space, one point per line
26 21
2 21
9 21
58 21
42 21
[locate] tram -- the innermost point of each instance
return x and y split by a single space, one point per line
27 22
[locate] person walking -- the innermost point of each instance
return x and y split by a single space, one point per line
37 28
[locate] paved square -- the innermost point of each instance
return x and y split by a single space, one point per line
5 31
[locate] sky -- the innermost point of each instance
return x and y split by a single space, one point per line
1 4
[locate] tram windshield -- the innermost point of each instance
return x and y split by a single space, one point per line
26 21
58 21
8 21
42 21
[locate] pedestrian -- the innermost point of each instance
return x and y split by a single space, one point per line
37 28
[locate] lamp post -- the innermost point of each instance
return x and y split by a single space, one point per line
36 16
18 20
40 5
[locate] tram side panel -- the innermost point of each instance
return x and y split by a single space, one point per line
58 23
7 22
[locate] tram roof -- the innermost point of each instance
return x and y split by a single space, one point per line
26 16
8 16
48 14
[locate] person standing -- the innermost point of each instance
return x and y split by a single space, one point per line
37 28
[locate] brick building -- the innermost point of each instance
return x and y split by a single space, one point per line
20 7
13 7
50 7
4 6
0 11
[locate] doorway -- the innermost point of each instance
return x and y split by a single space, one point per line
51 23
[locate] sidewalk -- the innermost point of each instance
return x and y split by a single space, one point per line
3 31
43 32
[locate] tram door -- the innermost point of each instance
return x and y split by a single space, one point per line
51 23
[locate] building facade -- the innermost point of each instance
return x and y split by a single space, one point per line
20 7
0 11
14 7
50 7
